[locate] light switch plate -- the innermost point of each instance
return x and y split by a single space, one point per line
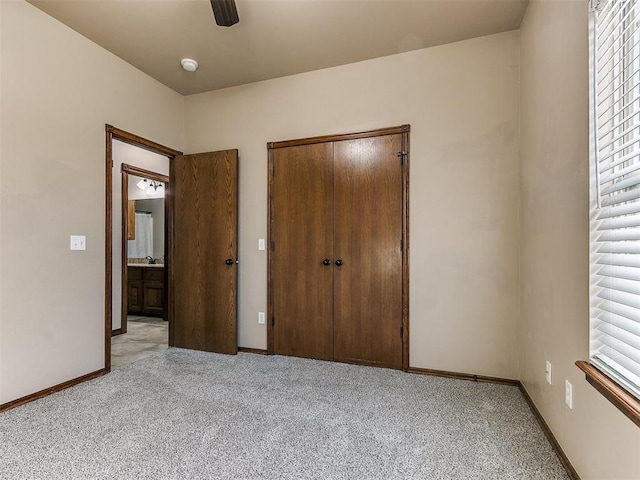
78 242
261 318
261 244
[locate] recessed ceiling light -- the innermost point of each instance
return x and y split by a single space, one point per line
189 65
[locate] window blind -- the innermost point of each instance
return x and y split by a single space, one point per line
615 192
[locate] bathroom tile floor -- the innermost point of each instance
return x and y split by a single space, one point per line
145 336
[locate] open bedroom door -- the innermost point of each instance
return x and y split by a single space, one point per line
202 267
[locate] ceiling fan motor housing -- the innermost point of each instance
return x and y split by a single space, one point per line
225 12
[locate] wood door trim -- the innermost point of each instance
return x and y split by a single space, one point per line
404 130
131 139
269 319
141 172
405 245
127 170
136 141
340 137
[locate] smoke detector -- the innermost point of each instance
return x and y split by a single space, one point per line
189 65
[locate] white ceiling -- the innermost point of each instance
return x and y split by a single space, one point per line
274 38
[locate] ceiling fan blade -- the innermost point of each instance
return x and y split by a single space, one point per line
225 12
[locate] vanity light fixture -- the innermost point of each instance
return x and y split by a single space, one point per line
150 187
153 187
189 64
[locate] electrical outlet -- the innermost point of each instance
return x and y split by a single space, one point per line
547 372
261 318
568 394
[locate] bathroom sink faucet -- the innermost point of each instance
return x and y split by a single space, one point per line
151 259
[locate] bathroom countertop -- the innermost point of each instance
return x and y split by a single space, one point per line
152 265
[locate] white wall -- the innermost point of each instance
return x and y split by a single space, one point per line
124 153
57 91
461 100
599 440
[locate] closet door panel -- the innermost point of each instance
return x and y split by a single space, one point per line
301 233
367 239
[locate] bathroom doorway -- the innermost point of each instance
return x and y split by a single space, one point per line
144 329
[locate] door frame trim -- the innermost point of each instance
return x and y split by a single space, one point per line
125 171
403 130
113 133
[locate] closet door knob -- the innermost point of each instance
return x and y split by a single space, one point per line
339 262
326 262
229 261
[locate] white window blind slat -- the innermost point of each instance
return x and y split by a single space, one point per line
629 339
619 309
614 163
620 260
609 127
620 173
615 193
618 211
623 298
614 84
631 123
621 322
612 107
617 222
619 247
631 195
608 44
612 65
628 273
606 16
626 184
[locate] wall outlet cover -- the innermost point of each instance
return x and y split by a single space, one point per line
547 372
568 394
78 242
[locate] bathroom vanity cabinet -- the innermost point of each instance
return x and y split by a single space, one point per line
145 290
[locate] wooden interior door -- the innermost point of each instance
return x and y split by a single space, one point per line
202 269
368 192
301 240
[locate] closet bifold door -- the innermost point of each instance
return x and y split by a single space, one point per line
368 278
301 238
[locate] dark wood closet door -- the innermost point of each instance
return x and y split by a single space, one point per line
368 235
203 270
301 232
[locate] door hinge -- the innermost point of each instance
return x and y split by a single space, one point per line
401 331
273 245
401 154
273 321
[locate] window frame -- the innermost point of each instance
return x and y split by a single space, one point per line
619 395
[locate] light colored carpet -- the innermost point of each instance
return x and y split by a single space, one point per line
192 415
